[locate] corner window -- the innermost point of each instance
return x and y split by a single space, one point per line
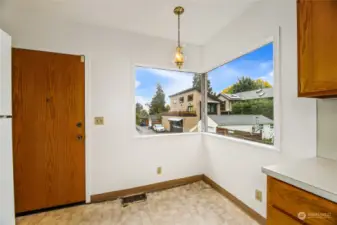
246 83
159 101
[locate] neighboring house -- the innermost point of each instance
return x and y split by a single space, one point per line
228 99
154 119
247 123
226 102
185 110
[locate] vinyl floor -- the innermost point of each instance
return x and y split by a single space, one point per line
193 204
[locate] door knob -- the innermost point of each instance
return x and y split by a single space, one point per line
79 124
79 137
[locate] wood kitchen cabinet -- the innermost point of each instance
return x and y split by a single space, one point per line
317 48
289 205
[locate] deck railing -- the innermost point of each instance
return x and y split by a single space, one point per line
181 113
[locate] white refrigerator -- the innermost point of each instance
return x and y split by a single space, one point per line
7 212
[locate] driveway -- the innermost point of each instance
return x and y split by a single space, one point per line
145 130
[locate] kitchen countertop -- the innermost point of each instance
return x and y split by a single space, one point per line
315 175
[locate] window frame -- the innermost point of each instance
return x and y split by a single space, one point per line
275 39
181 99
190 98
134 132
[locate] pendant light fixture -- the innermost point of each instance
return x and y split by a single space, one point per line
179 56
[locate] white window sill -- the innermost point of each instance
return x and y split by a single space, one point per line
245 142
165 135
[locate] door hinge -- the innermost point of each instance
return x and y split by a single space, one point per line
82 58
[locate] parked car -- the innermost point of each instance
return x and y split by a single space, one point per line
158 128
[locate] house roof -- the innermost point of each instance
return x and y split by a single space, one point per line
229 96
256 94
184 91
210 96
226 120
249 95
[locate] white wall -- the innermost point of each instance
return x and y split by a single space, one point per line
6 155
236 165
327 128
119 159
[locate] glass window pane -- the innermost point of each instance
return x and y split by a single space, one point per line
167 101
244 88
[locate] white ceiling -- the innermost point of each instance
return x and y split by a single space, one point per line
202 18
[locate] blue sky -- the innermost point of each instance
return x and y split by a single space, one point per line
256 64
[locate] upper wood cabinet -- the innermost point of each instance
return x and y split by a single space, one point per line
317 48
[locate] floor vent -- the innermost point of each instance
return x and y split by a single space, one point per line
133 199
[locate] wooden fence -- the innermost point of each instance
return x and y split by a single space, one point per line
257 137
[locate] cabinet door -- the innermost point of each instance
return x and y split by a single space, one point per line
293 201
5 74
317 48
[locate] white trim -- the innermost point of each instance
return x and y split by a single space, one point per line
275 38
139 136
162 68
134 66
88 129
175 119
277 88
242 141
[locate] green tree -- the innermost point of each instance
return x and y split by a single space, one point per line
141 113
246 84
157 104
262 83
139 107
263 107
197 83
167 108
228 90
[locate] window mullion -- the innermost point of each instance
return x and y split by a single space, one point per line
204 102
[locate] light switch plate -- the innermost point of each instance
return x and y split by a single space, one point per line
258 195
159 170
99 120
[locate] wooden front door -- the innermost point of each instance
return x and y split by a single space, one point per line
48 129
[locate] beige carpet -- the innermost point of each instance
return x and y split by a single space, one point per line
194 204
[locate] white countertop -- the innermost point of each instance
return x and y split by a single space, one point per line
315 175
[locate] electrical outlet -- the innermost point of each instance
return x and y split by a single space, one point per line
258 195
159 171
99 120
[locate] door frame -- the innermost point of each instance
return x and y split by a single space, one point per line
88 127
87 114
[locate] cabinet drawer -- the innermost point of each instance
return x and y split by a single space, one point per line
294 200
276 217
